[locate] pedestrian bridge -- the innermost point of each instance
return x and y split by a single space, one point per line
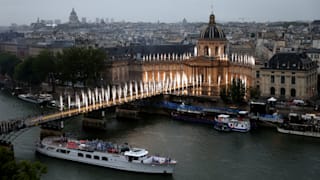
101 98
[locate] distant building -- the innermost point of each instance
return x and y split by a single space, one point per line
315 26
10 36
289 76
57 21
83 20
314 55
316 43
24 50
73 18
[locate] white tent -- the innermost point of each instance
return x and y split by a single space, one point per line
272 99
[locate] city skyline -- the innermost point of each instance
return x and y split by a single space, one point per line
26 12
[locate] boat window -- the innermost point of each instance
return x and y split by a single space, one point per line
96 157
50 148
80 154
88 156
105 158
63 151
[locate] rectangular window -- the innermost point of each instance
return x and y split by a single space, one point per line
272 79
105 158
96 157
282 79
258 74
88 156
293 80
80 155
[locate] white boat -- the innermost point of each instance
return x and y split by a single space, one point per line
46 97
106 155
240 126
221 123
31 98
225 123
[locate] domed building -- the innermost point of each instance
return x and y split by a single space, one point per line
73 18
213 64
212 42
208 64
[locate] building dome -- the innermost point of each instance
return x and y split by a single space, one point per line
73 18
212 31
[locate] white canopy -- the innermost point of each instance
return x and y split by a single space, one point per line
136 152
272 99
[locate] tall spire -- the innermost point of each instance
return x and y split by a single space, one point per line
212 17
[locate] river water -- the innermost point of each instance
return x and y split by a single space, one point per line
202 153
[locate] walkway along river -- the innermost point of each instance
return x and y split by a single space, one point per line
202 152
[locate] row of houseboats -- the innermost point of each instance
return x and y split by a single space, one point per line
221 122
243 121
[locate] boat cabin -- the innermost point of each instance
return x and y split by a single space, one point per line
135 154
223 117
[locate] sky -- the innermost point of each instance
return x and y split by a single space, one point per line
27 11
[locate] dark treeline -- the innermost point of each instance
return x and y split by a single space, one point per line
11 169
73 65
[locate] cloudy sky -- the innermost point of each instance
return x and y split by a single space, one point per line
27 11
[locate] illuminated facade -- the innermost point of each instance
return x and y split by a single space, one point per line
209 64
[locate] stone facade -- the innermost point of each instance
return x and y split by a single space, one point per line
210 64
289 76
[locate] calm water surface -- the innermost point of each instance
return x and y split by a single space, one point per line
202 152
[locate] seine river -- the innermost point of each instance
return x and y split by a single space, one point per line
202 153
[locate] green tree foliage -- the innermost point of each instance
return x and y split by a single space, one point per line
8 63
43 65
224 94
236 92
35 70
254 92
10 169
81 64
23 71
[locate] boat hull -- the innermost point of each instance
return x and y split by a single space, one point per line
114 161
221 127
300 133
192 118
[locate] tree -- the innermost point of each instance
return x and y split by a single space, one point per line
224 95
81 64
23 71
10 169
254 92
35 70
236 92
7 64
44 67
95 64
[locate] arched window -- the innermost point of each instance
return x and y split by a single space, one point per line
293 92
282 91
216 51
272 91
206 51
